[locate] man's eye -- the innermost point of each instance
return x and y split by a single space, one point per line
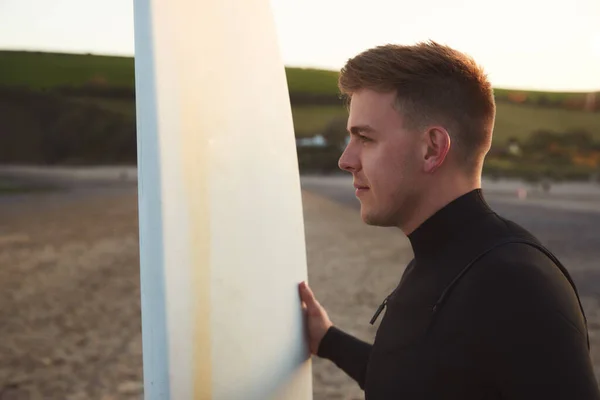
363 138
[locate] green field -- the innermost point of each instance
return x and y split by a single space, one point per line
301 80
536 95
520 120
512 120
308 120
48 70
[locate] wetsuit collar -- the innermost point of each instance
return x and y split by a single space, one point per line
438 229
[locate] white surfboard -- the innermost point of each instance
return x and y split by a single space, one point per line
221 229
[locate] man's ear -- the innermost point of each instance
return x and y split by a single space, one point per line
437 145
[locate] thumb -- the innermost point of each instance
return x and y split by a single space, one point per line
308 297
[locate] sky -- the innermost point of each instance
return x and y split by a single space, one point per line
527 44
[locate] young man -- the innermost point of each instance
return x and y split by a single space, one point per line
473 317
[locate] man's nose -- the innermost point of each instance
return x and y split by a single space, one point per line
349 160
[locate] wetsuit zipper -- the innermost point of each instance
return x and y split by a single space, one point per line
379 310
385 301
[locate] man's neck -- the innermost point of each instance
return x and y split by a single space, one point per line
437 197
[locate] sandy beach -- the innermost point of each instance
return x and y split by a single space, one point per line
69 292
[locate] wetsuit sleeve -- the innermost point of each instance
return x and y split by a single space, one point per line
534 337
349 353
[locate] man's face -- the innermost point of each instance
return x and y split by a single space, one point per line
384 159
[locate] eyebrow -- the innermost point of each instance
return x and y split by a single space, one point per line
361 128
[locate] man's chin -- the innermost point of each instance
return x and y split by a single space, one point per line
376 220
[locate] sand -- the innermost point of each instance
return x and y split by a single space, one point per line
70 299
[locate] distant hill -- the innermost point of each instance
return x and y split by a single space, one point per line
47 70
108 82
39 70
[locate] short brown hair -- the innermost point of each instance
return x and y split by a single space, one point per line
434 84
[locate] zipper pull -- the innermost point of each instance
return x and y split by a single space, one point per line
379 310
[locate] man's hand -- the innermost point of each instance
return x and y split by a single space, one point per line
317 319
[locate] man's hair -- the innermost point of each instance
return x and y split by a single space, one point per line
435 84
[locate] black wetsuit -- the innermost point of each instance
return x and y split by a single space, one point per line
510 327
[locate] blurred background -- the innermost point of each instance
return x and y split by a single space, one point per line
69 259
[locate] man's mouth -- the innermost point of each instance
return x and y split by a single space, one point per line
360 189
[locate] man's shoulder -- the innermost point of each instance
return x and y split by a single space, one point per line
517 264
508 250
519 277
506 227
519 257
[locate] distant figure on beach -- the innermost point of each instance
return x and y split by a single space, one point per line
483 311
